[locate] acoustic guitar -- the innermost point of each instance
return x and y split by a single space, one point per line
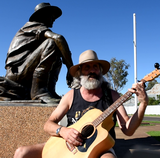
94 126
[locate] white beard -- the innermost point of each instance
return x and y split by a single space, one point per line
91 84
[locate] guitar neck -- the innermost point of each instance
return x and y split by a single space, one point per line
111 108
123 98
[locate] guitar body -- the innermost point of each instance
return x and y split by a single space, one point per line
96 142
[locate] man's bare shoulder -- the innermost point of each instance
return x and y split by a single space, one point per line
69 93
68 98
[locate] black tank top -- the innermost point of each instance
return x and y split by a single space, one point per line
80 106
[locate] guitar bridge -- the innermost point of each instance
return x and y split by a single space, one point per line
71 148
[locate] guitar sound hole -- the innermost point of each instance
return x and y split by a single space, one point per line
87 131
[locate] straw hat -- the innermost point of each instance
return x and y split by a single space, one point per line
45 8
87 57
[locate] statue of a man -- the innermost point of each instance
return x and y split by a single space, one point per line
36 54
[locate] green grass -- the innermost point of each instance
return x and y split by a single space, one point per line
154 134
146 123
147 115
149 123
153 115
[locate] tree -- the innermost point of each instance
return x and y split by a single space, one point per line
150 84
117 74
153 101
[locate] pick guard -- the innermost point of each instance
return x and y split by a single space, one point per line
87 143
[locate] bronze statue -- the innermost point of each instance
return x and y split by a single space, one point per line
34 59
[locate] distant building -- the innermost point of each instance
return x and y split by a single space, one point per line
151 93
154 91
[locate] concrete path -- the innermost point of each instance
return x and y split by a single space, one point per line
128 147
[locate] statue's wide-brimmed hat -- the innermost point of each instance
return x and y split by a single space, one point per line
45 8
90 56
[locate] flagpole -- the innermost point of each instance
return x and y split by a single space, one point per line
135 55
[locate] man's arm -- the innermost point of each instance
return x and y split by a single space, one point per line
129 124
69 134
52 123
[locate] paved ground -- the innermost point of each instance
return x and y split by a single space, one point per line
127 147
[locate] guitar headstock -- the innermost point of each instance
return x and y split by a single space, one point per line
154 74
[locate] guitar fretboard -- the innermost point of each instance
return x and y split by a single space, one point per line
111 109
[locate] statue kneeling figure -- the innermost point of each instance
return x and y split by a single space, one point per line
34 59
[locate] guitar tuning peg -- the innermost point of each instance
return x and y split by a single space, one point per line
156 65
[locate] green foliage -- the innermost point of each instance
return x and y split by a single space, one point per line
117 75
153 101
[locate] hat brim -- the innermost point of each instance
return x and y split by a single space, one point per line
48 9
104 64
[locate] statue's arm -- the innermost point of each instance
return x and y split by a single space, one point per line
63 47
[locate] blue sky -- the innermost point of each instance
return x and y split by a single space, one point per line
105 26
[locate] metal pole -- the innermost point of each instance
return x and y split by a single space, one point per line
135 55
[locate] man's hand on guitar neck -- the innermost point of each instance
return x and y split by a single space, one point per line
139 90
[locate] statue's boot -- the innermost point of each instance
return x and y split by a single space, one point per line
53 78
39 90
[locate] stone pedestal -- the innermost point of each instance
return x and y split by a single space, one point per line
21 123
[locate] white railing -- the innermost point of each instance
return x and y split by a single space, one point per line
150 110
